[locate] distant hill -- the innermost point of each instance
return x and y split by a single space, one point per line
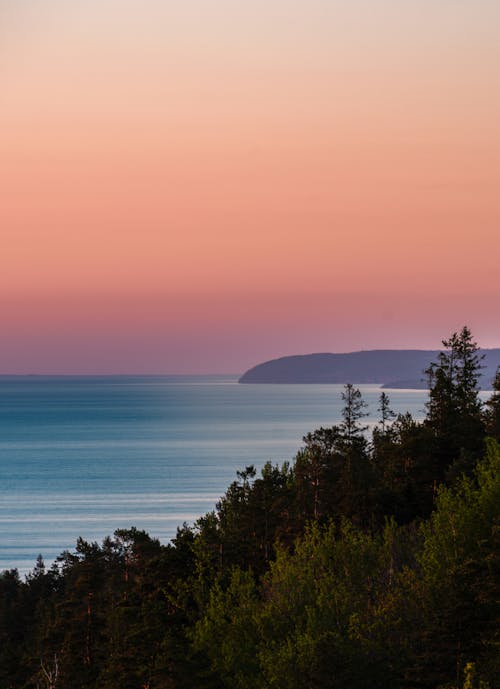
391 368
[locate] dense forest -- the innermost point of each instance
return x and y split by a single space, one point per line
369 562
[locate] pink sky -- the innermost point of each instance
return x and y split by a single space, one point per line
196 187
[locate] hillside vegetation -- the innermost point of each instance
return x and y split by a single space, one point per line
366 563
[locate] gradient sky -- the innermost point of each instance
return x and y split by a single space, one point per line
197 186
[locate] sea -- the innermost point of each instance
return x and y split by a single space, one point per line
84 456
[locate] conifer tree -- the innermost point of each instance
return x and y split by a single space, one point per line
454 410
353 412
386 413
492 415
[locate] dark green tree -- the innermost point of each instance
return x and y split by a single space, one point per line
454 410
357 479
352 413
386 413
405 470
333 473
460 568
14 623
317 475
492 414
227 632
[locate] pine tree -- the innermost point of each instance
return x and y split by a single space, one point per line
352 413
492 415
454 410
386 413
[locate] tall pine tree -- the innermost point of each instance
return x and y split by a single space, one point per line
454 410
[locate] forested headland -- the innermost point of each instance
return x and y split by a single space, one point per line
390 368
369 562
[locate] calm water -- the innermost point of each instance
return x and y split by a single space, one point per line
85 456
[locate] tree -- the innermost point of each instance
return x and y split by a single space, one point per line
492 415
14 625
227 633
49 673
386 413
317 471
319 610
353 412
459 565
333 473
454 408
356 484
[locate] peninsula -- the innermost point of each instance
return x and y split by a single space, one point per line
390 368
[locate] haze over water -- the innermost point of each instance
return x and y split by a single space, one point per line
83 456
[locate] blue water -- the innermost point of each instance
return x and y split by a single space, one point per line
84 456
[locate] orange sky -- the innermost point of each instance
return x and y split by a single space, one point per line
199 186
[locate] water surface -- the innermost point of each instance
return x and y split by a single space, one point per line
83 456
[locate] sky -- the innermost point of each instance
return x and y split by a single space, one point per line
198 186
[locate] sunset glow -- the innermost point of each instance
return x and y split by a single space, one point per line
196 187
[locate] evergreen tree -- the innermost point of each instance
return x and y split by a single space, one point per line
352 413
492 415
318 473
454 410
333 473
386 413
14 623
357 480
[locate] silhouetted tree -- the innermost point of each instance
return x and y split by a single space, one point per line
454 408
352 412
386 413
492 415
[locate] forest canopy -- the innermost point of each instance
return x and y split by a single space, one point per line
370 561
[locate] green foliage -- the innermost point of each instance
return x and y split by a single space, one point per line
361 566
460 570
315 600
227 631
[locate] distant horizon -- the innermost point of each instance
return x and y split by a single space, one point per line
200 186
158 373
